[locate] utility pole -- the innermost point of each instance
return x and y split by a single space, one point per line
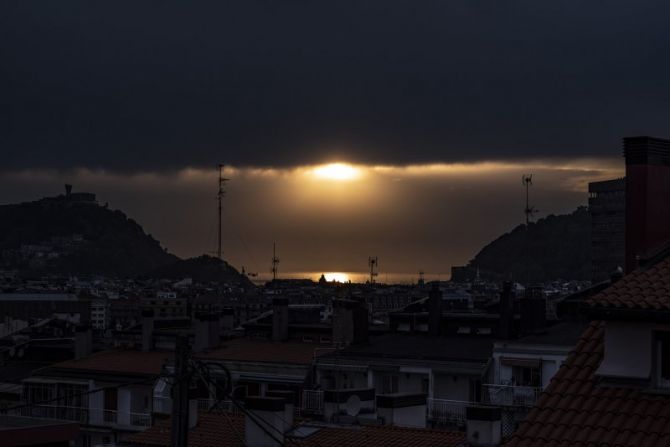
275 261
180 386
373 263
220 195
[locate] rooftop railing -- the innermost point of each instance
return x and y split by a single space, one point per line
447 412
510 395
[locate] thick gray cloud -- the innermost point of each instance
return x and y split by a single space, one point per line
414 218
155 85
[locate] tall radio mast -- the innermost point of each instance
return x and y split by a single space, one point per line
275 261
220 195
373 263
527 181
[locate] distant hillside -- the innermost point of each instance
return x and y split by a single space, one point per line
73 235
555 247
202 269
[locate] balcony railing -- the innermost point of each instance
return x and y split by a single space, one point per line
140 419
59 412
86 416
447 412
510 395
162 405
312 402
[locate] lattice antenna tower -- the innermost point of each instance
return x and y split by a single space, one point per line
373 263
220 195
275 261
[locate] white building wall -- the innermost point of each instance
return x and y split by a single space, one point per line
628 350
550 357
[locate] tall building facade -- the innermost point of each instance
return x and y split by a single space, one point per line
607 204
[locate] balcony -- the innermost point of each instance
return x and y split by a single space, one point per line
510 395
447 412
87 416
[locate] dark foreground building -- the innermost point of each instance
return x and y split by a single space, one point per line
607 205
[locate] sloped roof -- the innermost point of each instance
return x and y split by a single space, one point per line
647 288
228 430
575 411
119 362
244 349
407 346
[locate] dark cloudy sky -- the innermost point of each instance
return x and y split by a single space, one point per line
124 97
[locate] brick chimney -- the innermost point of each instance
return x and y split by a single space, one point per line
350 321
434 309
402 410
207 334
289 405
83 341
147 330
647 197
280 319
227 319
533 307
507 311
268 417
483 426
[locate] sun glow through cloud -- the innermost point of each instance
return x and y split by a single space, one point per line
336 276
337 171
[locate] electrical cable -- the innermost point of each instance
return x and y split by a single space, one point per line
255 418
225 415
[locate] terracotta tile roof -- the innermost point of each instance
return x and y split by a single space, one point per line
384 437
244 349
119 361
646 288
575 411
217 429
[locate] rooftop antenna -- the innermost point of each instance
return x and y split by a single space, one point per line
527 181
275 261
220 195
373 263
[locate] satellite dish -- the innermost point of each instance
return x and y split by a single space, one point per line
353 405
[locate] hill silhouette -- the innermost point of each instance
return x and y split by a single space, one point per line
73 235
555 247
201 269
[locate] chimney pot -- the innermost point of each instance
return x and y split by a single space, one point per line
350 321
83 341
434 309
279 319
483 426
268 415
147 330
506 311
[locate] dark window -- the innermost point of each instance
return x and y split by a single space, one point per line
526 376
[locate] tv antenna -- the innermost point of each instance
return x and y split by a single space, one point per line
527 181
221 193
275 261
373 263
